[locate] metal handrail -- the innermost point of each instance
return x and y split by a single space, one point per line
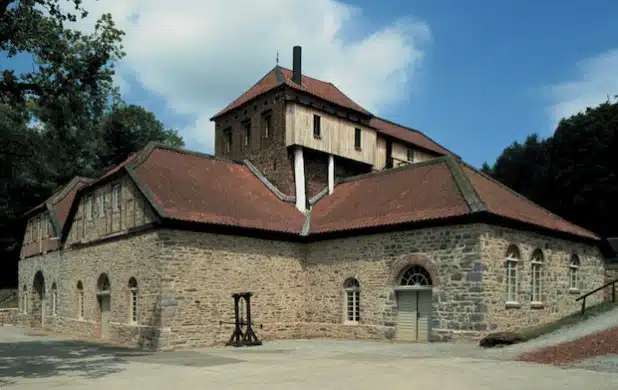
583 297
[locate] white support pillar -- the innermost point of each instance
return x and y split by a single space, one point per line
299 178
331 173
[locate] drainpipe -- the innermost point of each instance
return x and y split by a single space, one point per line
299 177
331 174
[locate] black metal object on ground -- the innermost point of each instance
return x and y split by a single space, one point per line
238 338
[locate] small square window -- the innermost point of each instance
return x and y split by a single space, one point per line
247 126
228 140
101 204
267 123
116 197
316 126
357 139
89 207
410 155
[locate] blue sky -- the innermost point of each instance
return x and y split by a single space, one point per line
473 75
484 80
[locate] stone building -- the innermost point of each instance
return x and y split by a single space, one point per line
342 224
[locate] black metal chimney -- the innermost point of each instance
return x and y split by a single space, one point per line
296 66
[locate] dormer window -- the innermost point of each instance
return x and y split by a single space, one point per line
316 126
410 155
90 207
357 138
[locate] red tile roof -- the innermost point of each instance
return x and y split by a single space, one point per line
406 134
62 199
386 198
501 200
197 188
279 76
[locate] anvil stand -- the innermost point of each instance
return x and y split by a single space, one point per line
239 338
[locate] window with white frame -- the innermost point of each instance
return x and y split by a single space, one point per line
574 273
54 300
410 155
512 261
537 272
37 229
46 226
133 300
116 197
352 300
89 207
80 299
101 204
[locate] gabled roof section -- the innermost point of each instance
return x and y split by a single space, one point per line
441 188
59 203
413 193
199 188
409 135
283 76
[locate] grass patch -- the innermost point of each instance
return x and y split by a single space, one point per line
572 319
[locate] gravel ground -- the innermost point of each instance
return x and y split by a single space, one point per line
588 347
601 364
568 334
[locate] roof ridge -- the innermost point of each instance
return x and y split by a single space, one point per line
465 186
62 192
144 153
387 171
244 93
416 131
512 191
277 192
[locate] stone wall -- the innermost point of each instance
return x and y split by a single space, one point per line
8 316
450 254
266 151
557 299
130 256
200 273
611 274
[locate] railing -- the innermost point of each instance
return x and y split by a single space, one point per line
583 297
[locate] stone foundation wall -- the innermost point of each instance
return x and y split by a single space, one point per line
121 259
450 254
557 299
8 316
200 273
611 273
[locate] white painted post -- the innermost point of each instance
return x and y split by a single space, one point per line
331 173
299 177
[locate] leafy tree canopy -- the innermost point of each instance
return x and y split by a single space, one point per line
63 116
572 173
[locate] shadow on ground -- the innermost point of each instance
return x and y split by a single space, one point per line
50 358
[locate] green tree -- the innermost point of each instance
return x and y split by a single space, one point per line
573 172
127 129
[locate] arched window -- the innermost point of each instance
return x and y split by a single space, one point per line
80 299
103 285
535 267
133 300
24 300
54 300
352 293
574 273
416 276
512 260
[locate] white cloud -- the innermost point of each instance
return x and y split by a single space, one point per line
597 80
199 55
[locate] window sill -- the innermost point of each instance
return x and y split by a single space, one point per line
512 305
537 305
574 290
357 149
351 323
317 137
